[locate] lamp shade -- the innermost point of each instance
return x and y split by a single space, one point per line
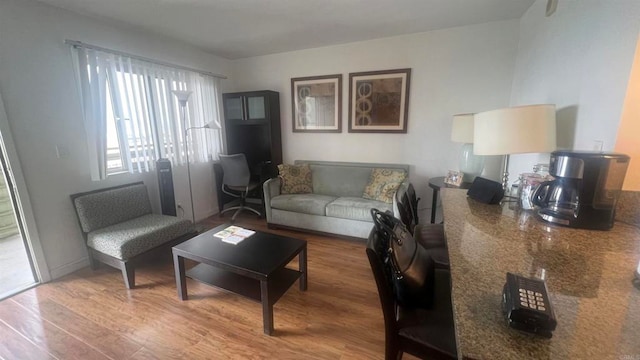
182 96
462 128
515 130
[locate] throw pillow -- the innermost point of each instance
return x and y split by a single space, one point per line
383 183
295 179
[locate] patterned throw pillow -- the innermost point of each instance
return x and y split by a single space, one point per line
295 179
383 183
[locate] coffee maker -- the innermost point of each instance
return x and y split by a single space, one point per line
585 189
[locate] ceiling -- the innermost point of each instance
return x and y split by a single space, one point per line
242 28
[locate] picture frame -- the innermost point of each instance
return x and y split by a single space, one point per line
454 178
316 104
379 101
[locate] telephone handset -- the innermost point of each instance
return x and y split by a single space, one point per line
526 305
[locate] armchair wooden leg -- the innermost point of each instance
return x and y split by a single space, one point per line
129 275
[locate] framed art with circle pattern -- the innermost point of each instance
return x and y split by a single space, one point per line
379 101
316 103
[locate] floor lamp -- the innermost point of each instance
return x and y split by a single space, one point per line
183 98
515 130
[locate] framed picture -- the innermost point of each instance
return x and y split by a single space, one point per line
454 178
379 101
316 103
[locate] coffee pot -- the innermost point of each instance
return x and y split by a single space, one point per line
559 196
585 189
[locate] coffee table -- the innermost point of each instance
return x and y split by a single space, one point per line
255 268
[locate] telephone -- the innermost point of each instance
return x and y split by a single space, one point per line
526 305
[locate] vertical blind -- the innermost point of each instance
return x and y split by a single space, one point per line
132 118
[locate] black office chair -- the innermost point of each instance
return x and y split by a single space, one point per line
428 334
236 182
430 236
413 201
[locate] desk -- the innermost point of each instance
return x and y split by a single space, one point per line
436 184
589 277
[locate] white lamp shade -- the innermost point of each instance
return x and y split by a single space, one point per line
462 128
182 95
515 130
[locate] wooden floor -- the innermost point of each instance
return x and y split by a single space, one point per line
90 314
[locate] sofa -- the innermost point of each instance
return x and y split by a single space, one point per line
120 230
335 204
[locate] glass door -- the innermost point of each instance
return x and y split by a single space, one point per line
234 108
17 271
256 108
22 261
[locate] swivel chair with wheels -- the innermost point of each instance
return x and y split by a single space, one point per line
236 182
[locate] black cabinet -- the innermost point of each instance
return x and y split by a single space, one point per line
252 127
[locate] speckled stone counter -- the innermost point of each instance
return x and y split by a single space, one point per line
589 276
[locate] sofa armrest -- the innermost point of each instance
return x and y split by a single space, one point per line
271 189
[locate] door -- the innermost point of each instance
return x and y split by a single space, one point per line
22 263
256 107
17 271
234 107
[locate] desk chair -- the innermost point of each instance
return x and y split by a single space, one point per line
413 201
236 182
430 236
427 334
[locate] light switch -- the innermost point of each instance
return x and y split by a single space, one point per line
62 151
597 145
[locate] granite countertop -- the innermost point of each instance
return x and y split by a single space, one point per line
588 273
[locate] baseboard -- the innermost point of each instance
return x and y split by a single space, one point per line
69 268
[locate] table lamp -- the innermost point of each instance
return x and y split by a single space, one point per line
515 130
471 164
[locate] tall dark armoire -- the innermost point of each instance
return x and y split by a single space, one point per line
252 126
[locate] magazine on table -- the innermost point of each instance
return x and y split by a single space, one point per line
233 234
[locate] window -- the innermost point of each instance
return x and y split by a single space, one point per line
132 118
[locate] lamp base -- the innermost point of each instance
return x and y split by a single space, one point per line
471 165
505 173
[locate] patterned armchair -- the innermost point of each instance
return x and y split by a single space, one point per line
119 228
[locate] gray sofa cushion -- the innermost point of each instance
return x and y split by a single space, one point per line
105 208
130 238
339 180
355 208
302 203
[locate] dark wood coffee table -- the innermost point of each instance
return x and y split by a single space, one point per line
254 268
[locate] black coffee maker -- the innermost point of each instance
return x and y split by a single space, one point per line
585 190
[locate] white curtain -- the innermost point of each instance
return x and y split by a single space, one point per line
205 105
147 115
92 83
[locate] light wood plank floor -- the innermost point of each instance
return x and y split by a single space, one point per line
90 315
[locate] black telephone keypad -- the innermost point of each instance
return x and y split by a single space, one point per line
527 306
531 299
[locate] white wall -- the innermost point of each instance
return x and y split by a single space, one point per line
579 59
43 109
457 70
